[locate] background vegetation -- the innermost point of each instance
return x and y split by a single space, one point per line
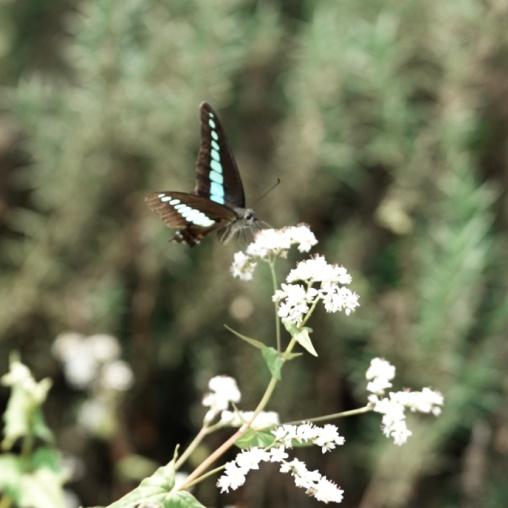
387 122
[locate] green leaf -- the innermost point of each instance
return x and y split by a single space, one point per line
253 438
302 336
45 457
39 427
23 416
157 490
182 499
42 489
253 342
11 468
274 361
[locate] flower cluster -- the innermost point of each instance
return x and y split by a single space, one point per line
298 295
92 360
93 364
271 243
326 437
314 483
393 405
223 391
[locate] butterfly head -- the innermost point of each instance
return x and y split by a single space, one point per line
248 218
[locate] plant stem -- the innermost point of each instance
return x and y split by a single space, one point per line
192 446
334 416
275 304
311 310
204 476
26 446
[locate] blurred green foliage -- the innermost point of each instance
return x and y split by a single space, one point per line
386 121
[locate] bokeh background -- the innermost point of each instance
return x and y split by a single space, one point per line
387 122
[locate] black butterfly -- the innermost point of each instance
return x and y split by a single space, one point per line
218 200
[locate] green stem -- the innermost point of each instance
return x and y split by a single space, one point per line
275 304
333 416
26 446
204 476
192 446
311 310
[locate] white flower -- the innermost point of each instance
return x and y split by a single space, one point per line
250 459
425 401
243 266
379 374
393 422
65 344
337 298
263 420
328 438
223 391
328 492
303 237
81 367
83 357
270 243
117 375
294 302
233 477
104 347
316 269
312 481
278 454
393 405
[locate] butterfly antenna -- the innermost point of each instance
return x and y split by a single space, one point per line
266 192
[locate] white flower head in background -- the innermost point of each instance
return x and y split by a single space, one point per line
392 406
92 361
116 375
223 391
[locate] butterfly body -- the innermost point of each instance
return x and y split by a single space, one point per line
218 200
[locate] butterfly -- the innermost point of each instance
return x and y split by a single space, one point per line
218 200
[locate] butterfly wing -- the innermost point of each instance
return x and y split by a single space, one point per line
192 216
217 176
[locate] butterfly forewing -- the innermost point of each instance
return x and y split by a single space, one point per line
217 176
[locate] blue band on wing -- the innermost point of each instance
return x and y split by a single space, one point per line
214 154
216 166
216 177
216 192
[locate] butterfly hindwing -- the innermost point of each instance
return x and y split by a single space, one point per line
217 176
193 216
